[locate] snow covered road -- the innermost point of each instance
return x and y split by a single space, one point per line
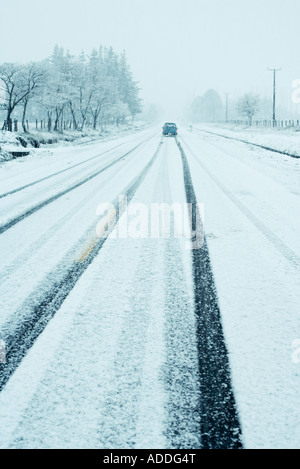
124 342
252 225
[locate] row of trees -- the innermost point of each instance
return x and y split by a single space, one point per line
97 89
206 108
210 108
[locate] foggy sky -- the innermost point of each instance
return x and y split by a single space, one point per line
177 49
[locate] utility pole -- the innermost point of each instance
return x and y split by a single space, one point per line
274 70
226 94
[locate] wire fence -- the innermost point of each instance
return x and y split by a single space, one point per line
267 123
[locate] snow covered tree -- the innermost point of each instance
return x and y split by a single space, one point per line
211 106
195 112
128 88
206 108
151 112
102 84
248 105
19 82
87 90
33 77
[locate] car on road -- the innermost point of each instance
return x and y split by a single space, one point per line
169 129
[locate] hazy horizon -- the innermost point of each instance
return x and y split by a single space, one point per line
176 49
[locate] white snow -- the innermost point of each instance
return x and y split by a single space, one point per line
282 139
102 381
122 348
252 228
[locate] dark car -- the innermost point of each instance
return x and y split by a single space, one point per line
169 129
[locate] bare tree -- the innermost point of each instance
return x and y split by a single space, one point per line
103 97
248 105
206 108
85 90
11 76
85 96
32 78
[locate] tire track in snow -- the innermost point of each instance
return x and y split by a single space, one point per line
134 406
6 226
43 303
220 426
121 427
45 178
19 261
153 401
278 244
181 369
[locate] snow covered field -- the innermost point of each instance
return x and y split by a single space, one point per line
282 139
115 361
